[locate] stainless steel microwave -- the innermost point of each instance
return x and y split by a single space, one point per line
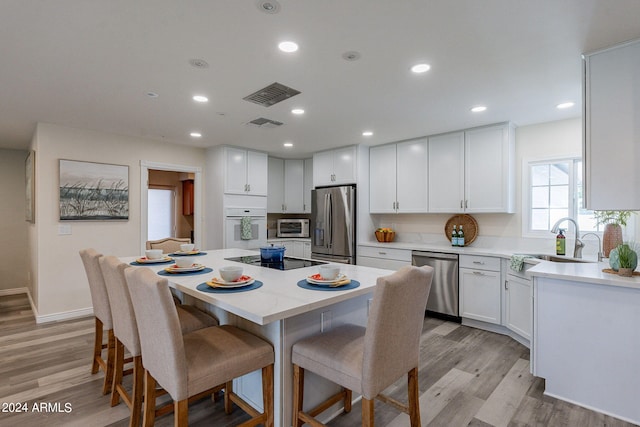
293 228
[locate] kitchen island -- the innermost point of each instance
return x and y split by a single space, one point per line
282 313
586 336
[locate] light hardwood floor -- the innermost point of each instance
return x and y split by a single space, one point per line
468 377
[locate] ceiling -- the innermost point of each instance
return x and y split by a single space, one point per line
91 63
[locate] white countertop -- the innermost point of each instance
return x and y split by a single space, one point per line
279 297
587 272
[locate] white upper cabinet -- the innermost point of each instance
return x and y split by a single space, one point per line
286 186
245 172
308 185
473 171
398 177
335 167
612 128
446 173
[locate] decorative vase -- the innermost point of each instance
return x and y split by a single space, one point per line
611 238
625 272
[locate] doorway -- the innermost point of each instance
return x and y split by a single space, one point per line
170 202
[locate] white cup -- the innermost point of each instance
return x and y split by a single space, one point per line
153 253
230 273
329 271
187 247
184 261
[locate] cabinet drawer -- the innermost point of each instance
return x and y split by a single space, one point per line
388 264
386 253
480 262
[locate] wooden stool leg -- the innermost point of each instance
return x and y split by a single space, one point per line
149 400
181 413
267 394
298 395
108 374
414 398
367 412
97 347
228 405
347 400
118 367
137 392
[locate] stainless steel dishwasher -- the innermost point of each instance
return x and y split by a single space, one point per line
443 297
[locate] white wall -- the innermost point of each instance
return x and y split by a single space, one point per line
61 285
558 138
13 227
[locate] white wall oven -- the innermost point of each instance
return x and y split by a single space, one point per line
245 228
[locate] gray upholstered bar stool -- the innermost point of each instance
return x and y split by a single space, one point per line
126 334
102 313
193 365
369 360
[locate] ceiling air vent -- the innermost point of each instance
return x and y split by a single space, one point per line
271 94
265 123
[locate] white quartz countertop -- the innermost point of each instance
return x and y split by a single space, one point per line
279 297
587 272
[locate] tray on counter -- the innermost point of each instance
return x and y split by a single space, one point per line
469 226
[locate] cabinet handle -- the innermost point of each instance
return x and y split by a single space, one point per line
382 253
506 285
466 204
397 205
478 273
461 206
478 262
249 187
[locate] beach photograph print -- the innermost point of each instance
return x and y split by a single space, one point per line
93 191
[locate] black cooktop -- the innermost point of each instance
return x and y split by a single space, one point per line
289 263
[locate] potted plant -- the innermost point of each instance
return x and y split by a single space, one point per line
614 221
627 259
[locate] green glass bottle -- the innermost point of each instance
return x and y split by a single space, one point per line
460 237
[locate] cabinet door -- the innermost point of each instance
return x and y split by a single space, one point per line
446 173
323 168
344 165
306 249
411 176
235 178
519 306
275 184
308 185
294 186
382 179
488 170
187 197
480 295
257 173
612 128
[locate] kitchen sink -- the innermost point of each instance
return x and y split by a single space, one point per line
558 258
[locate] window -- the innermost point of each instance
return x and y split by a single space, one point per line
160 219
555 191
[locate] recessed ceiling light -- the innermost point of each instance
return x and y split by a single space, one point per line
297 111
478 108
198 63
269 6
421 68
367 133
565 105
288 144
288 46
195 134
200 98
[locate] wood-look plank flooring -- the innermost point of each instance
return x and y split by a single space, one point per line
468 377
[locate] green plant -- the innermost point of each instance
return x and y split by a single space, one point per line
627 256
612 217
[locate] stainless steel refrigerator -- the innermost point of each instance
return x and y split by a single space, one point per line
333 224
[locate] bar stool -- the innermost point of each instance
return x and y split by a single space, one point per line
168 244
190 366
126 334
103 320
369 360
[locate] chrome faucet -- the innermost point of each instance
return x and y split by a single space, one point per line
600 254
577 248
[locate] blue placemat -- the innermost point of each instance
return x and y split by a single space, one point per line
190 273
150 264
179 254
206 288
306 285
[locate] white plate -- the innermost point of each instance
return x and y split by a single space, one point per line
340 278
194 267
180 253
219 283
145 260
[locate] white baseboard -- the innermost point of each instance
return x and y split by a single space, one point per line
14 291
64 315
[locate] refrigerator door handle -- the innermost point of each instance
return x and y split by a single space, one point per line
329 219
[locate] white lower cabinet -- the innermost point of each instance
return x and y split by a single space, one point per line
294 248
388 258
479 279
518 304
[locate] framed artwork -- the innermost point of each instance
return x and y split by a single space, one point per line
93 191
30 181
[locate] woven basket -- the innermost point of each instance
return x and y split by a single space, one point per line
383 237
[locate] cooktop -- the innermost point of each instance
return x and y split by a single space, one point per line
288 263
